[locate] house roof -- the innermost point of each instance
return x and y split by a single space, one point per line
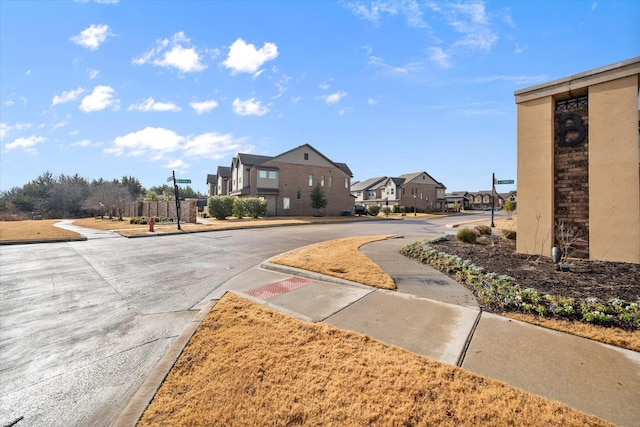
411 176
252 159
366 184
224 171
398 181
342 166
211 179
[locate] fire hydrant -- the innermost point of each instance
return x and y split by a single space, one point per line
152 222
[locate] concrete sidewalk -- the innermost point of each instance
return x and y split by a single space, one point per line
433 315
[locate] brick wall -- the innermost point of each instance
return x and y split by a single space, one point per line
188 209
571 186
293 178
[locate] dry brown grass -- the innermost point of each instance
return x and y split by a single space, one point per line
127 229
249 365
15 231
613 336
340 258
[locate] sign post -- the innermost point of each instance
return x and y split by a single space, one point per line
493 192
493 197
177 196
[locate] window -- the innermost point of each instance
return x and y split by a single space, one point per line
299 195
330 182
322 181
306 156
392 190
346 183
263 174
286 203
310 180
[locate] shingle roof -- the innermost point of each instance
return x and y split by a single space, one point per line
252 159
224 171
366 184
211 179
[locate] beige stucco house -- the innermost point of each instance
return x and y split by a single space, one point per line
285 181
578 164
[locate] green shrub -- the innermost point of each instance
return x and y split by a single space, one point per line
373 210
386 211
256 207
508 234
466 235
239 208
483 230
220 207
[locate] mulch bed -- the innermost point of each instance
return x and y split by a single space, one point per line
602 280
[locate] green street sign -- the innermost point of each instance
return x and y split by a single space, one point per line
505 181
183 181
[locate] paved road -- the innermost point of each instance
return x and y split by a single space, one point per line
83 323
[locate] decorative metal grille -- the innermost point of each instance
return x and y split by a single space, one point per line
572 104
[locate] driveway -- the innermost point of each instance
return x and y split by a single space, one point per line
83 323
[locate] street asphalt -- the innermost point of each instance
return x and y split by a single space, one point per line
90 329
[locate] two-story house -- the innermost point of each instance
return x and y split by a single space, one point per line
417 191
286 181
220 183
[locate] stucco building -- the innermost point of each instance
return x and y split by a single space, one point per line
579 164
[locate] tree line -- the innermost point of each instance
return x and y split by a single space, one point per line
72 196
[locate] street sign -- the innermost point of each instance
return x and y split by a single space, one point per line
170 179
505 181
183 181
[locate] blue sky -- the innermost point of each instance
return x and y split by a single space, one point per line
107 89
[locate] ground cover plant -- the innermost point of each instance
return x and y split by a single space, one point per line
249 365
600 293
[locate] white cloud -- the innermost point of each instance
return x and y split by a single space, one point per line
82 143
159 144
471 20
372 101
150 104
92 37
409 68
335 97
173 53
92 73
211 145
101 98
6 129
373 11
203 106
67 96
26 144
150 140
178 164
440 57
245 58
250 107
